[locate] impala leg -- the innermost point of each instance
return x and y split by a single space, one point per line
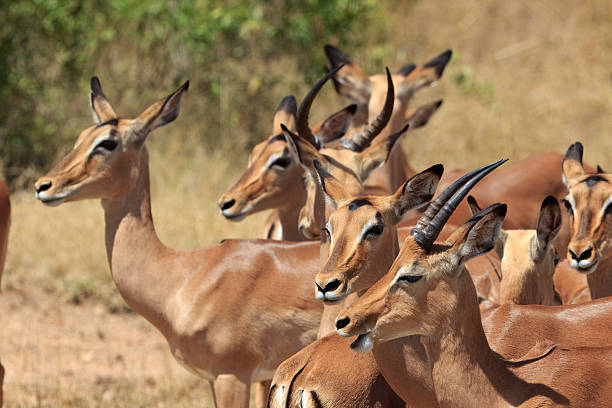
231 392
262 389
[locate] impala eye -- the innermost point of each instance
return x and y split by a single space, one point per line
282 162
108 144
568 206
410 278
375 230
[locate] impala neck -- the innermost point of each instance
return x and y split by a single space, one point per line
466 372
140 264
600 280
289 221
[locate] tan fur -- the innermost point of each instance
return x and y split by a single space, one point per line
441 309
590 225
5 222
225 311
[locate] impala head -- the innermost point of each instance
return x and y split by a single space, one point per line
273 179
413 296
362 232
529 251
104 162
369 91
589 206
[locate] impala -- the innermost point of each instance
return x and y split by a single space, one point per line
428 294
218 308
589 206
368 92
363 236
528 259
272 179
5 222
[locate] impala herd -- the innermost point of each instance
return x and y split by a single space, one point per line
376 285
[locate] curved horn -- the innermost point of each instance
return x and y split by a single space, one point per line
304 110
360 141
439 211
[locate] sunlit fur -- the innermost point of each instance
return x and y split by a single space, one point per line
441 308
590 218
219 308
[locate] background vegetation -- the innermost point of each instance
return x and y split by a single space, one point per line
526 76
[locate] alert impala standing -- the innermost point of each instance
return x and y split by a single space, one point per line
589 206
219 308
427 293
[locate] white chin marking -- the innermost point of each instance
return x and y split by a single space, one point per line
363 343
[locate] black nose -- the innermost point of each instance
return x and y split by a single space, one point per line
329 287
342 323
43 187
228 204
586 254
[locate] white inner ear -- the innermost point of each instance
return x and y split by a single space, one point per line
603 208
94 115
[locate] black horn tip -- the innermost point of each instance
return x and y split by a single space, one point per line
574 152
185 86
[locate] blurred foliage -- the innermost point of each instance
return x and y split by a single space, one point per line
241 56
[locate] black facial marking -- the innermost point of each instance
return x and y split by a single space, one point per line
592 180
112 122
276 138
355 204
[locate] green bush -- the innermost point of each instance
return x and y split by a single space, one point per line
242 57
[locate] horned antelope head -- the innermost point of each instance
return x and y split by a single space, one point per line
411 299
362 229
369 91
105 160
589 207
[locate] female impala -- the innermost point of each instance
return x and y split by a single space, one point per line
589 206
427 293
218 308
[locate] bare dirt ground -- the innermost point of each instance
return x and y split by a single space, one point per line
57 354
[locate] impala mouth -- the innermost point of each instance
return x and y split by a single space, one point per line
586 269
51 201
363 343
235 217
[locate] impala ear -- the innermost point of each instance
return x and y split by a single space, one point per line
301 150
600 170
418 190
100 106
479 235
419 117
572 163
159 114
350 82
406 69
474 207
333 189
549 222
424 75
285 113
334 126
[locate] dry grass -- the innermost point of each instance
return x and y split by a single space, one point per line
527 76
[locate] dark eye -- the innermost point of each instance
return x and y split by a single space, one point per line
326 231
568 206
282 162
108 144
410 278
375 230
